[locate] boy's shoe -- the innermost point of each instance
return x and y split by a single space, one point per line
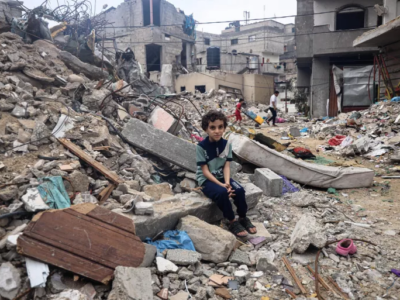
346 247
237 228
246 223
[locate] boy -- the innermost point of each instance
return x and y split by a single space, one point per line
272 107
238 111
213 157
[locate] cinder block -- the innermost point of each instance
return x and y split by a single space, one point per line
270 183
162 120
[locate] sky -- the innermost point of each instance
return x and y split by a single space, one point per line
211 10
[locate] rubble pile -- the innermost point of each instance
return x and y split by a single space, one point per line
90 168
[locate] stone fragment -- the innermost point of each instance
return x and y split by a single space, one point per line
305 258
80 182
150 252
240 257
212 242
389 232
165 266
75 78
183 257
9 193
307 232
75 64
19 112
270 183
304 199
10 281
157 190
144 208
131 284
181 295
241 276
188 184
262 231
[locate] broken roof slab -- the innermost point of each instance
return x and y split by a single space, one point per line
381 36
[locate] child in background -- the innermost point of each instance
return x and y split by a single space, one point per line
238 111
213 156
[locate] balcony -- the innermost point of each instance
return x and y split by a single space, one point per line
337 42
272 69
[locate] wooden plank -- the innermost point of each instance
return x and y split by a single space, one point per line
105 193
63 259
89 160
82 236
293 273
293 295
100 237
107 216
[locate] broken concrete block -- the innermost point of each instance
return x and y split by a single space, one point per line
10 281
19 112
131 284
240 257
307 232
162 120
165 266
183 257
33 201
150 252
212 242
270 183
144 208
262 231
161 144
157 190
167 214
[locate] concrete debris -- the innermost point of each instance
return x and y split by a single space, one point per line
69 295
131 284
213 243
10 281
37 272
165 266
307 232
183 257
270 183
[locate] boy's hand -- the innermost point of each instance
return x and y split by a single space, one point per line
228 186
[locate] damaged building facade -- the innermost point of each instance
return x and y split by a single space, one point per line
149 28
332 71
386 37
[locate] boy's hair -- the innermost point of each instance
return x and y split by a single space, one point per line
276 92
241 100
212 116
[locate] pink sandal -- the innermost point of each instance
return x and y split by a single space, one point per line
346 247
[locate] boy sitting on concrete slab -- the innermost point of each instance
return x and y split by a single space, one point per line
213 156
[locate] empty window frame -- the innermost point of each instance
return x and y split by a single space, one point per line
252 38
234 42
351 17
200 88
207 41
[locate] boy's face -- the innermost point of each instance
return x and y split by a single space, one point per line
215 130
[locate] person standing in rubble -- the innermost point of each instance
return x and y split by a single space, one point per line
272 107
238 111
213 156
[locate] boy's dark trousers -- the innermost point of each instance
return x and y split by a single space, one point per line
220 196
273 118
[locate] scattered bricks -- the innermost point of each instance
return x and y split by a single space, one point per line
270 183
183 257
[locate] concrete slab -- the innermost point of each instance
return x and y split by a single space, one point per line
161 144
168 213
270 183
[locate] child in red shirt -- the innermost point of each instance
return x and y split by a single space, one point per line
238 113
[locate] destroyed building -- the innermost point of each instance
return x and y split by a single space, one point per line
386 38
332 71
157 32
